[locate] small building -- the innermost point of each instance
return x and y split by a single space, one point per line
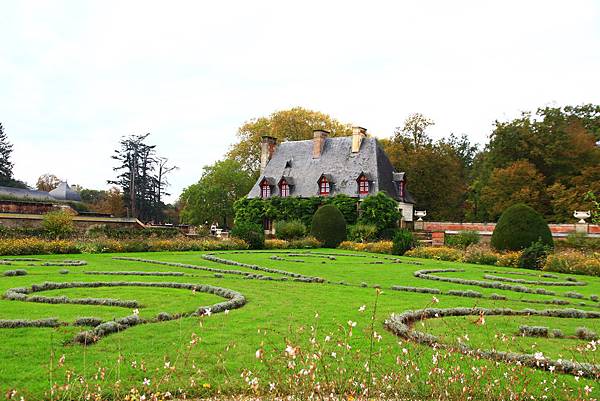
354 165
64 192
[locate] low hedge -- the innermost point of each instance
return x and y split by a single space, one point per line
37 246
375 247
573 262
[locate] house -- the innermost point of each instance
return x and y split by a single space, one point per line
354 165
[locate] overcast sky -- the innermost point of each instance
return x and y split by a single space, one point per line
77 75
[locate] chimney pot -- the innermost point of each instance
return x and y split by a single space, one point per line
318 142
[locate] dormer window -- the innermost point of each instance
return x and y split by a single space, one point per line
265 188
284 188
363 185
324 186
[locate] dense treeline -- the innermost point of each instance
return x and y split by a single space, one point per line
548 159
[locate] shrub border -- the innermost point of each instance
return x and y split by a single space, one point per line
401 326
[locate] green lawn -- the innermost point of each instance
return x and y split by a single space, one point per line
209 353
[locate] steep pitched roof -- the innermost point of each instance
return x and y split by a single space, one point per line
338 162
64 192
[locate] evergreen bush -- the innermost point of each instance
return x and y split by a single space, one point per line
252 234
463 239
403 241
520 226
362 232
290 230
534 256
380 210
328 226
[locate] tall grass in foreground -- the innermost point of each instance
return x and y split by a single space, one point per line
308 363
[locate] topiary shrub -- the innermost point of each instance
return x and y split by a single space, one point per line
328 226
403 241
534 256
519 227
252 234
289 230
58 224
362 232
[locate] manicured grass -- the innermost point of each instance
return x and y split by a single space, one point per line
277 313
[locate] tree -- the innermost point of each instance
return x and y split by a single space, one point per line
518 183
212 197
437 172
414 129
47 182
142 177
285 125
6 166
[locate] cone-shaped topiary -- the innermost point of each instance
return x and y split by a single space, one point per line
520 226
329 226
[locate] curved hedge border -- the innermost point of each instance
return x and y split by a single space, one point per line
545 275
195 267
20 323
234 300
134 273
296 276
22 294
533 282
426 274
475 294
401 325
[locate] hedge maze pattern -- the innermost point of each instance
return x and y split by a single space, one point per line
220 265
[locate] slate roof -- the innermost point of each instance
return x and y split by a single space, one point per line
294 159
25 194
64 192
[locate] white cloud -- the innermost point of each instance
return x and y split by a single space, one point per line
76 76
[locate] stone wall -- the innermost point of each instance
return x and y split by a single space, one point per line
82 223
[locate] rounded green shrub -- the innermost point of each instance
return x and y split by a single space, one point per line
328 226
252 234
403 241
534 256
58 224
520 226
362 232
290 230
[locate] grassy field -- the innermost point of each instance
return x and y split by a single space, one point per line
333 331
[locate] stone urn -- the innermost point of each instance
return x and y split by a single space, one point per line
420 214
582 215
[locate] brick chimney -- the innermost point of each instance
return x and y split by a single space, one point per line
358 134
318 142
267 148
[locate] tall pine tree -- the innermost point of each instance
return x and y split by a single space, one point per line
6 167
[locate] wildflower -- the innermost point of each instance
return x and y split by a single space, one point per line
146 381
206 385
435 300
552 368
259 353
333 355
327 338
226 311
377 336
291 351
167 365
317 315
587 389
136 311
404 351
362 308
271 386
207 312
538 356
351 323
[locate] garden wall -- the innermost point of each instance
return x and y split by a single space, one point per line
486 229
82 223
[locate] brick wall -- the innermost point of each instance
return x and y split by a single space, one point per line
557 230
